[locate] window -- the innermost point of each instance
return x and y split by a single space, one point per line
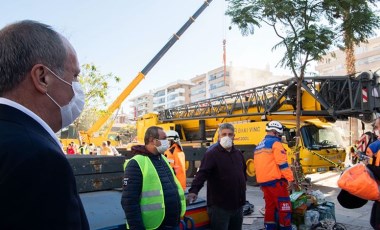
217 85
198 91
159 93
362 61
318 138
374 58
172 97
218 75
171 90
159 101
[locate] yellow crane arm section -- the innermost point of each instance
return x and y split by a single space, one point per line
116 104
87 135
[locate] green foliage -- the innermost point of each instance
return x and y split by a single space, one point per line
355 20
307 28
96 87
296 22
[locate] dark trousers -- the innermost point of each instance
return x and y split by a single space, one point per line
375 215
221 219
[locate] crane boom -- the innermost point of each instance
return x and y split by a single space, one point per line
116 104
329 98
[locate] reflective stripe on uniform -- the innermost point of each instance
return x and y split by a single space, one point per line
151 193
284 166
151 207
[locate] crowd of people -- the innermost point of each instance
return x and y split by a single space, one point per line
222 165
106 149
40 94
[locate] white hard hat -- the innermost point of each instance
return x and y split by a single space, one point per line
171 134
275 126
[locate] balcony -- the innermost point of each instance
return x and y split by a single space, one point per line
177 98
197 92
179 90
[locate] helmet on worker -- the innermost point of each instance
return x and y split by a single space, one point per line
172 135
276 127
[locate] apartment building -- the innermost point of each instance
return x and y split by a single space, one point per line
219 82
142 104
171 95
198 90
367 58
214 83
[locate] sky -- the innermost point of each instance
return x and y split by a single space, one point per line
122 36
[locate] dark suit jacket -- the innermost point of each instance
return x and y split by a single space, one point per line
37 184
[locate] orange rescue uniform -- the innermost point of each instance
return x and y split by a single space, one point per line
273 174
271 162
176 158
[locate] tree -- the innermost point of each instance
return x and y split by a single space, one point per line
298 24
128 132
96 87
356 21
307 29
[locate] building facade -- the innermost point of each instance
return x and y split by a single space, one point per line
198 91
367 58
171 95
142 104
218 82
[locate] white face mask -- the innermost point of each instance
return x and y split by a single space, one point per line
377 132
226 142
163 147
73 109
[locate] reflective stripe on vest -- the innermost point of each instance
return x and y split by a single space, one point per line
152 199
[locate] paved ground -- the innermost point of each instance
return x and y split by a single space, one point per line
354 219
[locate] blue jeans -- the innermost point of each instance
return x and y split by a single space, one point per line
222 219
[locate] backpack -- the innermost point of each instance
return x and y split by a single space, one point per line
359 181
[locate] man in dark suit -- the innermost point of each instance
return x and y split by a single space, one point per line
39 94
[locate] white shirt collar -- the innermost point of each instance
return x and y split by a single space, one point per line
32 115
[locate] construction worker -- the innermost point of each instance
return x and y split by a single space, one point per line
176 157
152 196
83 149
274 176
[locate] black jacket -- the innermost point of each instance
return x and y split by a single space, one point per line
226 177
37 184
132 188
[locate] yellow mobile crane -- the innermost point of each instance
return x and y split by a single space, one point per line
324 100
88 136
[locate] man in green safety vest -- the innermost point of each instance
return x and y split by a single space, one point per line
152 196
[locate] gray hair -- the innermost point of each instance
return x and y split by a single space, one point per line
226 126
25 44
151 132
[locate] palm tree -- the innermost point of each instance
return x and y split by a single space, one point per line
356 21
